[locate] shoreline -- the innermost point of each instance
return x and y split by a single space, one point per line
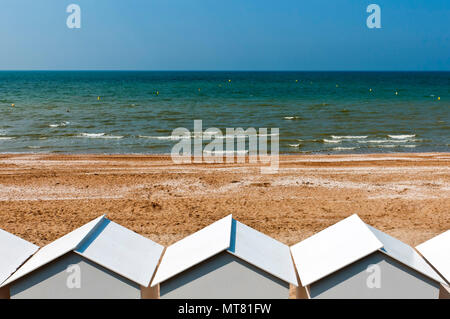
167 155
309 153
44 196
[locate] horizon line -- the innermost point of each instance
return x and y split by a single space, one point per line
143 70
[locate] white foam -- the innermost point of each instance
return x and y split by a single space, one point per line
294 145
374 141
6 138
171 138
402 137
348 137
112 136
207 136
92 134
62 124
99 135
385 141
331 141
291 117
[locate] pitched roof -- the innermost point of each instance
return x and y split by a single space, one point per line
437 252
123 251
228 235
194 249
13 253
347 242
404 254
105 243
263 252
55 249
333 249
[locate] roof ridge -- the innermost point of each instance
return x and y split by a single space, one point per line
18 250
391 251
137 253
316 263
167 270
56 253
92 234
434 252
240 252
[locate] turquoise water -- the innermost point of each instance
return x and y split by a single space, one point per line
316 112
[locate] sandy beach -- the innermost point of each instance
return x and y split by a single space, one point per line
43 197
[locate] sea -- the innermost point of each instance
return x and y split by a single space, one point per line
135 112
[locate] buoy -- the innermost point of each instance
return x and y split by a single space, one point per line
229 80
396 93
98 98
439 98
157 92
13 105
296 81
370 90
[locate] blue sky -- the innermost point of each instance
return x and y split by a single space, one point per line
225 35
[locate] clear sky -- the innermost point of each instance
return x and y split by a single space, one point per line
225 35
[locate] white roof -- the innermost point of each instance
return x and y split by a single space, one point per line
263 252
123 251
234 237
105 243
55 249
333 249
437 252
405 254
347 242
13 253
194 249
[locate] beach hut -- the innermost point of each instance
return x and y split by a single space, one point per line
101 259
14 251
437 252
226 260
353 260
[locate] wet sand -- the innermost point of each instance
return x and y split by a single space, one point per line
43 197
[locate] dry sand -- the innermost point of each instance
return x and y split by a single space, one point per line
43 197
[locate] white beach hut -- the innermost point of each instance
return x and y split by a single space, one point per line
353 260
98 260
14 251
226 260
437 252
